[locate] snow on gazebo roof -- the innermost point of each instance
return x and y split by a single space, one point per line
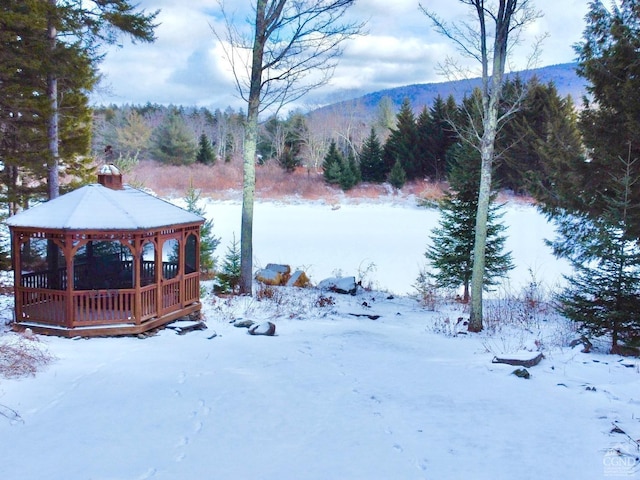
96 207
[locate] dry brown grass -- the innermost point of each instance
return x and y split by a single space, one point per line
224 181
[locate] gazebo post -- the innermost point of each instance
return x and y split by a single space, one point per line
70 310
181 266
159 272
137 275
17 271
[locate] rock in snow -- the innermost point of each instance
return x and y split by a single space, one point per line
266 328
339 285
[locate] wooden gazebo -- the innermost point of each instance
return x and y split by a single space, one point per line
105 259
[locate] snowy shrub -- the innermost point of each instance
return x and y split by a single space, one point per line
22 355
268 292
426 289
364 275
323 301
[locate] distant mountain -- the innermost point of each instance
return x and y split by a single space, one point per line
563 76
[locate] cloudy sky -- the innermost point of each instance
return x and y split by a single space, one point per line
186 65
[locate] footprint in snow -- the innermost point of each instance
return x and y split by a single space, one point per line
148 474
197 427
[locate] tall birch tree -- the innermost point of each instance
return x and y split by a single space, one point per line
292 48
499 23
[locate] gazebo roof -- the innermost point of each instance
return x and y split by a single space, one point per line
96 207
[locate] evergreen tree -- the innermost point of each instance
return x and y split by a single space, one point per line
205 153
436 136
610 118
173 143
371 164
520 139
402 143
208 242
228 280
350 173
602 295
75 30
332 164
295 131
25 108
558 183
424 165
451 249
397 176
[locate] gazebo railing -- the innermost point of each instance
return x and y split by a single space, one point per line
42 306
103 306
43 279
149 302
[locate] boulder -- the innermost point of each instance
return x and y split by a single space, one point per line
266 328
243 323
274 274
339 285
285 270
269 277
298 279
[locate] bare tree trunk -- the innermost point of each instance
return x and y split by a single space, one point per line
248 194
249 153
491 94
480 240
53 185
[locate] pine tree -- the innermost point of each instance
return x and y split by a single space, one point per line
228 280
205 153
173 143
425 165
397 176
610 117
402 142
332 165
558 185
25 107
371 164
208 242
436 136
602 295
451 250
350 173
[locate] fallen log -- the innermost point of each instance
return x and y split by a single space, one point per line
520 360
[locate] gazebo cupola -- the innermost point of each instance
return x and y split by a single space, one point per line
105 259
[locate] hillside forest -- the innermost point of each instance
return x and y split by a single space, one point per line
342 148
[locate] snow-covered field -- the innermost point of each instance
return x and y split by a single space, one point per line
326 240
335 394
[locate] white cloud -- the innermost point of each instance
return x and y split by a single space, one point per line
186 65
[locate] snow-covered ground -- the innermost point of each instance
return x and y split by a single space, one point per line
335 394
